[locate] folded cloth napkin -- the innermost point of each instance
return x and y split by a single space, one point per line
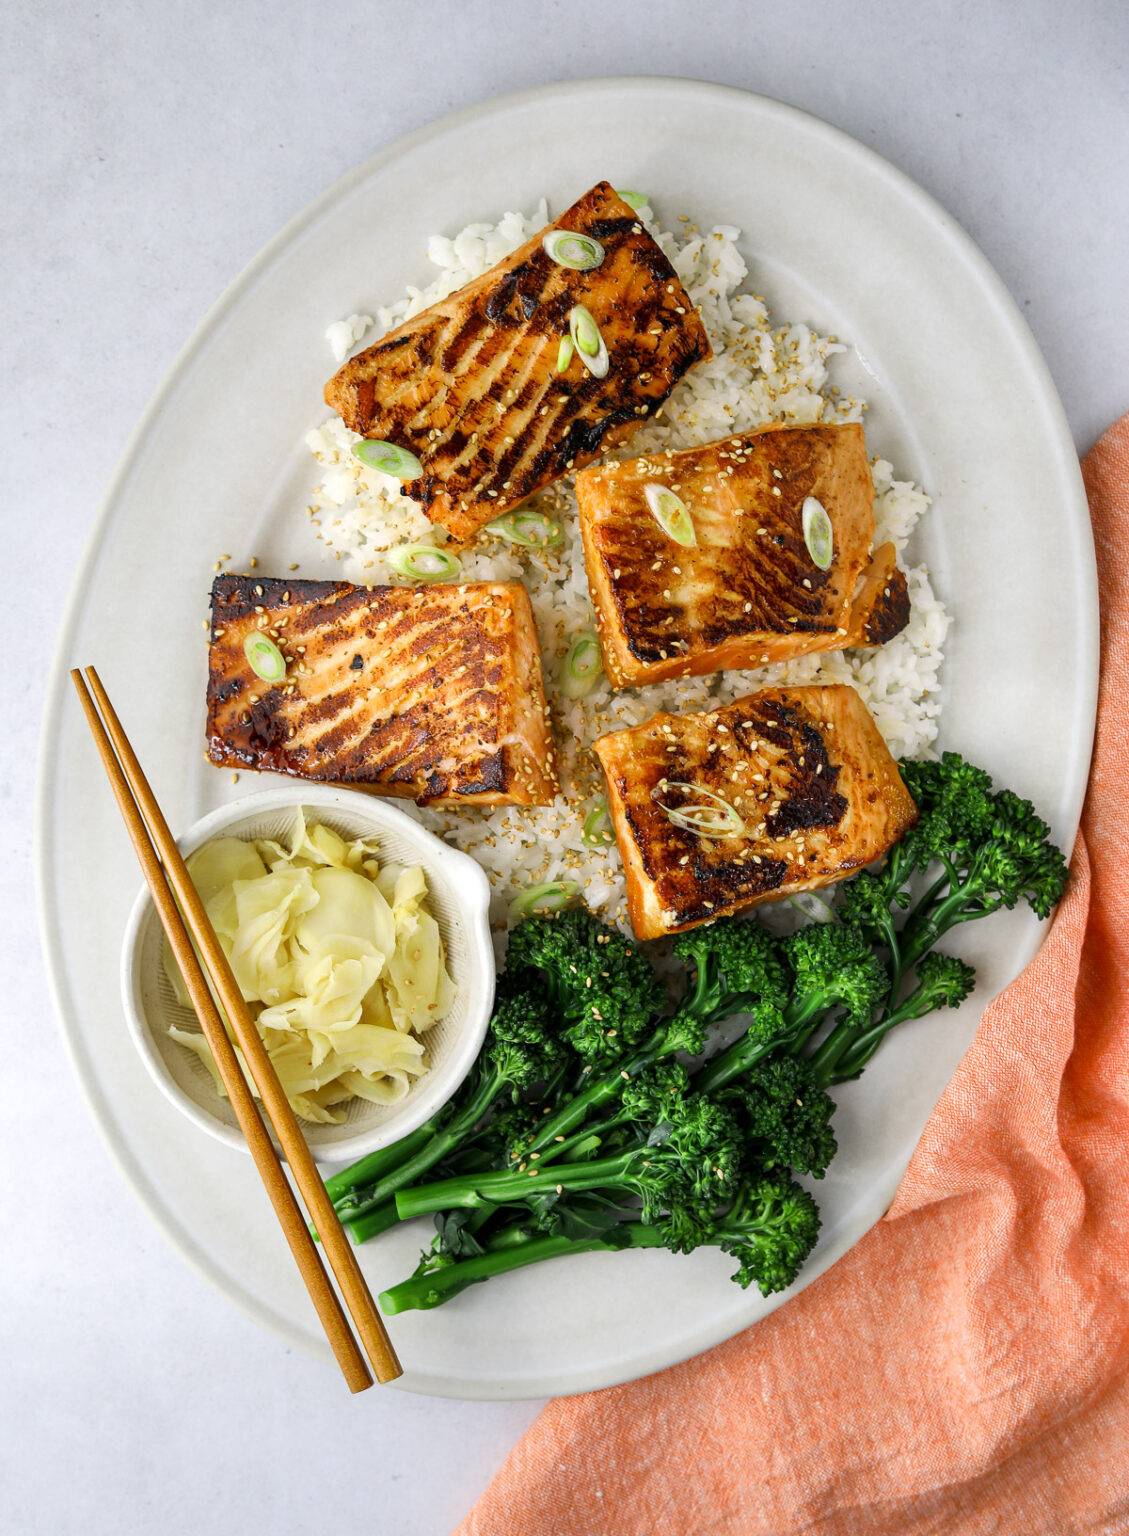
966 1367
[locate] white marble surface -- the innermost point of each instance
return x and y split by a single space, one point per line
151 151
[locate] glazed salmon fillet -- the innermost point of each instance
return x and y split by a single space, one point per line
471 386
432 693
748 591
795 786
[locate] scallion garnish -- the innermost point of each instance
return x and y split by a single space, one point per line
588 341
265 658
564 353
388 458
582 666
671 513
634 200
598 831
532 529
580 253
717 818
550 897
818 535
423 562
813 907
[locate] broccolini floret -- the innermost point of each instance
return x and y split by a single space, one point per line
602 989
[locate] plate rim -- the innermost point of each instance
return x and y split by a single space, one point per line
1074 784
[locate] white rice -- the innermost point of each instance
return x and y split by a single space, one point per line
760 373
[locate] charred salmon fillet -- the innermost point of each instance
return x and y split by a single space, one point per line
748 590
783 791
431 693
473 388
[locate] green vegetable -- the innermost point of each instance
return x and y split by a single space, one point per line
582 666
634 200
549 897
671 513
388 458
564 353
588 341
716 818
423 562
532 529
580 253
265 658
597 832
813 907
580 1129
818 535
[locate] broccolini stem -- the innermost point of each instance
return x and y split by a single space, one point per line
422 1292
377 1164
359 1202
509 1187
848 1048
751 1048
374 1223
851 1062
608 1085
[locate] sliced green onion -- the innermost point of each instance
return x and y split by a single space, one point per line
587 331
634 200
812 907
589 343
423 562
266 660
598 831
389 459
550 897
818 535
580 253
564 353
716 818
671 513
582 666
533 529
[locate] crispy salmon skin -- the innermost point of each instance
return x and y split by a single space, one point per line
797 782
472 386
748 590
432 693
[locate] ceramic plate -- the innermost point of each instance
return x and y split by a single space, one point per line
960 401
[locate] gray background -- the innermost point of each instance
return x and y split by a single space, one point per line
149 152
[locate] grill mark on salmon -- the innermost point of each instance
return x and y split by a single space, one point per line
484 361
748 592
807 771
432 693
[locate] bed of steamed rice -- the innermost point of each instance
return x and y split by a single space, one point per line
760 373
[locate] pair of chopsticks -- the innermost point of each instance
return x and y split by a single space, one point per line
170 884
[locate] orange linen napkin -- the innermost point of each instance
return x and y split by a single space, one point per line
966 1367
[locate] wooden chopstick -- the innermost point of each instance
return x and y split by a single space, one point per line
164 869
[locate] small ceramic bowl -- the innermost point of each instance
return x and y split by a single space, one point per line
459 899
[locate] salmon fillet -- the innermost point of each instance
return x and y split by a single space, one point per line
748 591
471 385
804 769
433 693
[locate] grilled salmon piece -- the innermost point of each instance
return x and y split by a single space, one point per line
471 385
881 606
433 693
747 591
795 786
